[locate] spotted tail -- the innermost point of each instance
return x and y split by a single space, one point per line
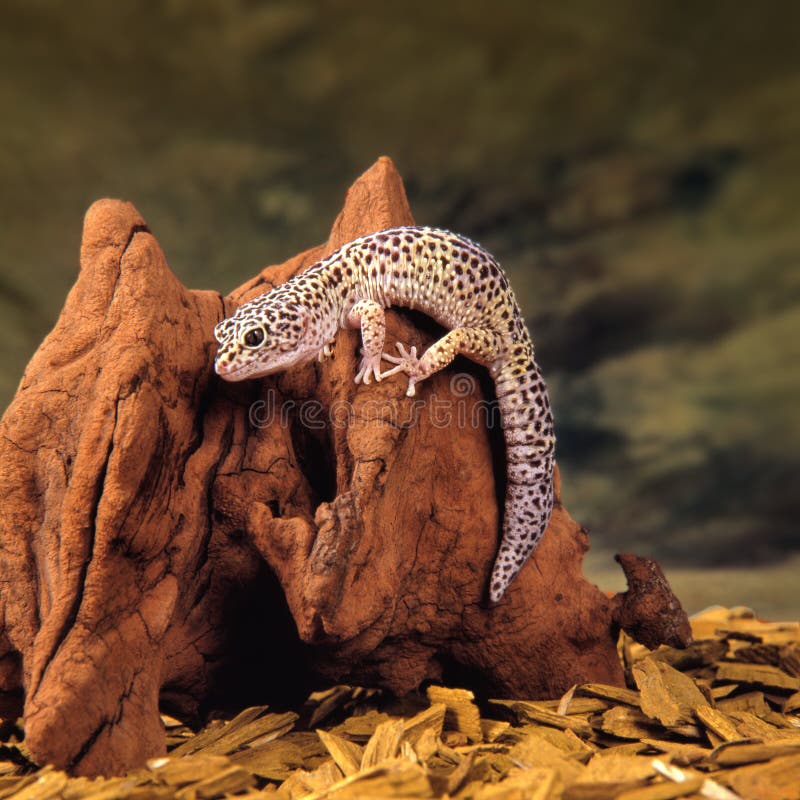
530 448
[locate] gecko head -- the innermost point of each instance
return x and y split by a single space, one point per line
263 336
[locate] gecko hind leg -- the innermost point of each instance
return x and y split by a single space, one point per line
477 344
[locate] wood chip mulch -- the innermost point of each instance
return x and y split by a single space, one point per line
720 720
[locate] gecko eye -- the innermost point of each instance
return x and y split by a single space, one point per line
254 337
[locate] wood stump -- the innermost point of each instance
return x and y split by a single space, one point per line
167 537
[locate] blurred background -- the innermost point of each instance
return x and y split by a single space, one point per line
634 166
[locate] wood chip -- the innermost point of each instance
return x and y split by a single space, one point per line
462 714
752 727
566 699
362 726
230 780
565 740
48 784
698 654
274 761
749 701
459 775
667 695
757 674
383 744
304 783
628 723
531 784
615 694
737 753
716 722
260 731
792 704
176 771
493 729
427 744
663 790
346 755
533 712
535 751
326 702
679 752
396 778
710 788
431 718
778 779
737 692
724 690
610 766
101 789
577 705
218 729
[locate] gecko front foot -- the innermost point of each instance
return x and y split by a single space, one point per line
406 362
370 367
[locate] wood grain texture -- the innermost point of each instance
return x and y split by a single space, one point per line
163 539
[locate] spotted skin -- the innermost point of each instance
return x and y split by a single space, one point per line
461 286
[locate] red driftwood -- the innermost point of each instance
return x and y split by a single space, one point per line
165 536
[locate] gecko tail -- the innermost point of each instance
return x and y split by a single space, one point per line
528 506
530 460
521 536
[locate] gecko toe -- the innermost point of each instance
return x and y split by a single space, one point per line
393 371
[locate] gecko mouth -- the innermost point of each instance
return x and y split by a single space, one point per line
240 372
230 372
